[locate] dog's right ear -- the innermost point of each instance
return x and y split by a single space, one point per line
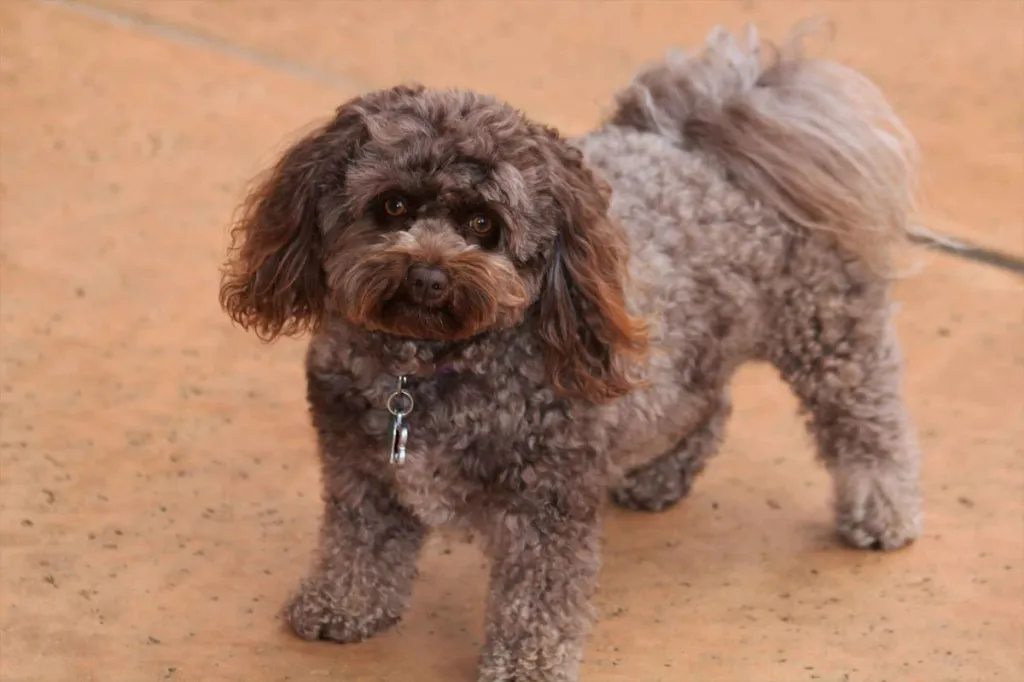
274 282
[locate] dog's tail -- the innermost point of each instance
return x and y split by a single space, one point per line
815 140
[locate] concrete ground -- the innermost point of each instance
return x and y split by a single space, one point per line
158 492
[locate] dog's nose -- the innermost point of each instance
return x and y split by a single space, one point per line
426 284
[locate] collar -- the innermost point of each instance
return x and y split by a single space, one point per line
427 370
439 364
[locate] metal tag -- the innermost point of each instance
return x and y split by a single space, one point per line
399 437
399 404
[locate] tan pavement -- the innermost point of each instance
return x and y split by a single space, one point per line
158 488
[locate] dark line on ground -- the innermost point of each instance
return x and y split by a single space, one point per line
187 36
971 252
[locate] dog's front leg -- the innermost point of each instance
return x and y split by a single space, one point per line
363 574
538 610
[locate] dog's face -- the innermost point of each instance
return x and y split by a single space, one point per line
438 227
438 216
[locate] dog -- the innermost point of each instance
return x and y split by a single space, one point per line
507 325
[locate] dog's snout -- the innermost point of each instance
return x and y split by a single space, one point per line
426 284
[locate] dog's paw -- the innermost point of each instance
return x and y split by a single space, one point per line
524 677
877 510
525 669
653 488
315 612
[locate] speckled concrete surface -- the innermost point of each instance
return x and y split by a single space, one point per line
157 481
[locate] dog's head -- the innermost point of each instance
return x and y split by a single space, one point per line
439 215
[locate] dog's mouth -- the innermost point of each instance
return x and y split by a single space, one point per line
450 299
468 312
403 317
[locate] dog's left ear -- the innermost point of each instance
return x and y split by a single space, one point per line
588 333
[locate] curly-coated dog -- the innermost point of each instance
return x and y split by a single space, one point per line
507 324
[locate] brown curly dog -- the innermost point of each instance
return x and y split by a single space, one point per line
506 324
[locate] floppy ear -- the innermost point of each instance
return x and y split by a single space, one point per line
274 280
588 334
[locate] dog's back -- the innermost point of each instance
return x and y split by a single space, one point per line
746 180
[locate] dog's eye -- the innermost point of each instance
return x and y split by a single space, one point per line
396 206
481 224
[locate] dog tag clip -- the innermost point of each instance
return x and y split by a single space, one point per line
399 437
399 404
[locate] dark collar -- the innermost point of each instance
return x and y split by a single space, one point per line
444 361
444 365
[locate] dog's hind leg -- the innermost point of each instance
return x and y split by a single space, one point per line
664 481
841 357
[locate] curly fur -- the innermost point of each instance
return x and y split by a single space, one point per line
730 210
814 139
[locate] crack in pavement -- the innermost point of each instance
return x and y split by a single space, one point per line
967 251
187 36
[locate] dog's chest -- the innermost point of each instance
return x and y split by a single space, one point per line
472 446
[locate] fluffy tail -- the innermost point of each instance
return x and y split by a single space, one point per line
815 140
